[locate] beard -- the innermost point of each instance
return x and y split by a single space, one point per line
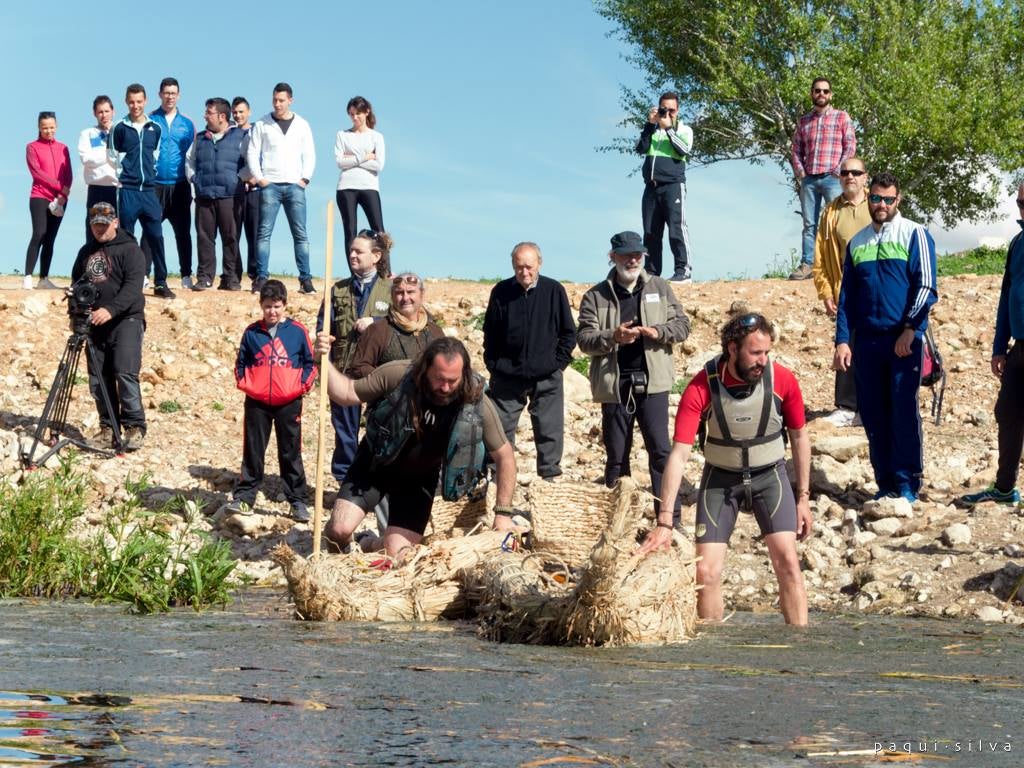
627 274
750 374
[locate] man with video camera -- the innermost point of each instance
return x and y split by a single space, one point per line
105 301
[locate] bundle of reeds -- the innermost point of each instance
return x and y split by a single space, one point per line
456 518
625 599
349 588
516 600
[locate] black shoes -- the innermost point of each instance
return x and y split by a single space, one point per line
257 284
163 291
306 286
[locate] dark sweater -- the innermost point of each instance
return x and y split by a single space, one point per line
384 342
528 334
117 270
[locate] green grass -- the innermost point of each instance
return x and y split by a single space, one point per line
169 406
980 261
581 365
780 267
476 322
680 385
137 556
217 406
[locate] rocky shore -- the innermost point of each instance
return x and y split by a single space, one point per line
931 558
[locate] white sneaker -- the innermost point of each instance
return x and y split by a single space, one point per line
841 417
186 282
145 282
27 283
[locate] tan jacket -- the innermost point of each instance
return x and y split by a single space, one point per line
840 221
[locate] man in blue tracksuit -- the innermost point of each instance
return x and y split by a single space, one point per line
888 287
172 189
134 144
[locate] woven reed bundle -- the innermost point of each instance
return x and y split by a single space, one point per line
568 518
516 601
624 599
455 518
346 588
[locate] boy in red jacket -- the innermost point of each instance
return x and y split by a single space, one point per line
275 368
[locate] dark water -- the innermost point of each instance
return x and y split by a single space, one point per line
92 686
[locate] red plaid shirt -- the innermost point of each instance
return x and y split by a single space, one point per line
822 142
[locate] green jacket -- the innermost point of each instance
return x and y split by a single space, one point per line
343 316
599 317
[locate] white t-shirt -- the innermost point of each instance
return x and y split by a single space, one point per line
350 148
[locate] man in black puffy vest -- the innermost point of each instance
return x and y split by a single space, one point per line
212 165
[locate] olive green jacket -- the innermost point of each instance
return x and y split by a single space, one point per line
343 316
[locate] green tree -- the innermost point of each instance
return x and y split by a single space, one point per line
933 86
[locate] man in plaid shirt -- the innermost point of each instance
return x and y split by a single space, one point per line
824 138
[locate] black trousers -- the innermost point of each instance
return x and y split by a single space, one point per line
1010 418
664 205
286 420
213 216
510 395
117 348
846 384
97 194
369 201
44 232
247 219
617 419
176 205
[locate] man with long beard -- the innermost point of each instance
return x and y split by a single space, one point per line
744 402
627 325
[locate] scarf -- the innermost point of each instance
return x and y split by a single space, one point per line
408 326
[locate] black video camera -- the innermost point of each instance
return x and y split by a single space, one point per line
82 297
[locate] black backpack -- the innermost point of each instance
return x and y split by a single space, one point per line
933 373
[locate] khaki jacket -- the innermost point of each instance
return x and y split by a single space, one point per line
599 317
839 222
343 316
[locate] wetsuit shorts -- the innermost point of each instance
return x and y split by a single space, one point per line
410 498
722 496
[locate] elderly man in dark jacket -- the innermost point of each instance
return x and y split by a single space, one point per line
529 335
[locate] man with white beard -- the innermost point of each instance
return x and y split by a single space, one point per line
627 325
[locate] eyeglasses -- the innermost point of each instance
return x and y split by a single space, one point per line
826 91
852 173
406 278
887 199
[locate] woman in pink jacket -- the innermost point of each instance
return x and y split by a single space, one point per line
50 165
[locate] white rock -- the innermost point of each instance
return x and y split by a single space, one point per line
989 613
862 538
575 387
887 526
881 508
841 447
956 535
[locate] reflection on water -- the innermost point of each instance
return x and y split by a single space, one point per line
251 687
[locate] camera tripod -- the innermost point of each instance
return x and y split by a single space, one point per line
54 418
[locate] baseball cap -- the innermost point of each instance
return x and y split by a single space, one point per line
627 242
102 213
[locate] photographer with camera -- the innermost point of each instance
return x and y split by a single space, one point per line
665 144
627 325
105 301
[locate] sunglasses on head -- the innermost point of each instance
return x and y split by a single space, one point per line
852 172
887 199
407 279
368 233
749 321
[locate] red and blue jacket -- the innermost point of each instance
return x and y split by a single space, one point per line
275 369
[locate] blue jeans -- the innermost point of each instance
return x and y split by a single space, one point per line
293 198
815 192
142 205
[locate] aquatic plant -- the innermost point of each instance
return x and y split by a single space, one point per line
139 556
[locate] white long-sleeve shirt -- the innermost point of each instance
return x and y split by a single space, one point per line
278 157
97 169
350 147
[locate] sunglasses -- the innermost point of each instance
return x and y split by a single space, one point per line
371 234
887 199
852 173
406 279
826 91
749 321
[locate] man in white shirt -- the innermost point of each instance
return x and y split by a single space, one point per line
281 159
99 173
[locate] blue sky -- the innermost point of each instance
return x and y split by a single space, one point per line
492 113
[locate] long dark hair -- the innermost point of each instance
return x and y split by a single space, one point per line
447 347
359 104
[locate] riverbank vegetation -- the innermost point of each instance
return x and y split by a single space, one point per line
147 558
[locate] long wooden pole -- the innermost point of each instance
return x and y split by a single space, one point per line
324 419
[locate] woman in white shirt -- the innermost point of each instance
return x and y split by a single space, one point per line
359 152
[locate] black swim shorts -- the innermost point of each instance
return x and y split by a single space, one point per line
722 496
410 498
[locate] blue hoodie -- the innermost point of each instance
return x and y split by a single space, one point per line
175 139
1010 315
